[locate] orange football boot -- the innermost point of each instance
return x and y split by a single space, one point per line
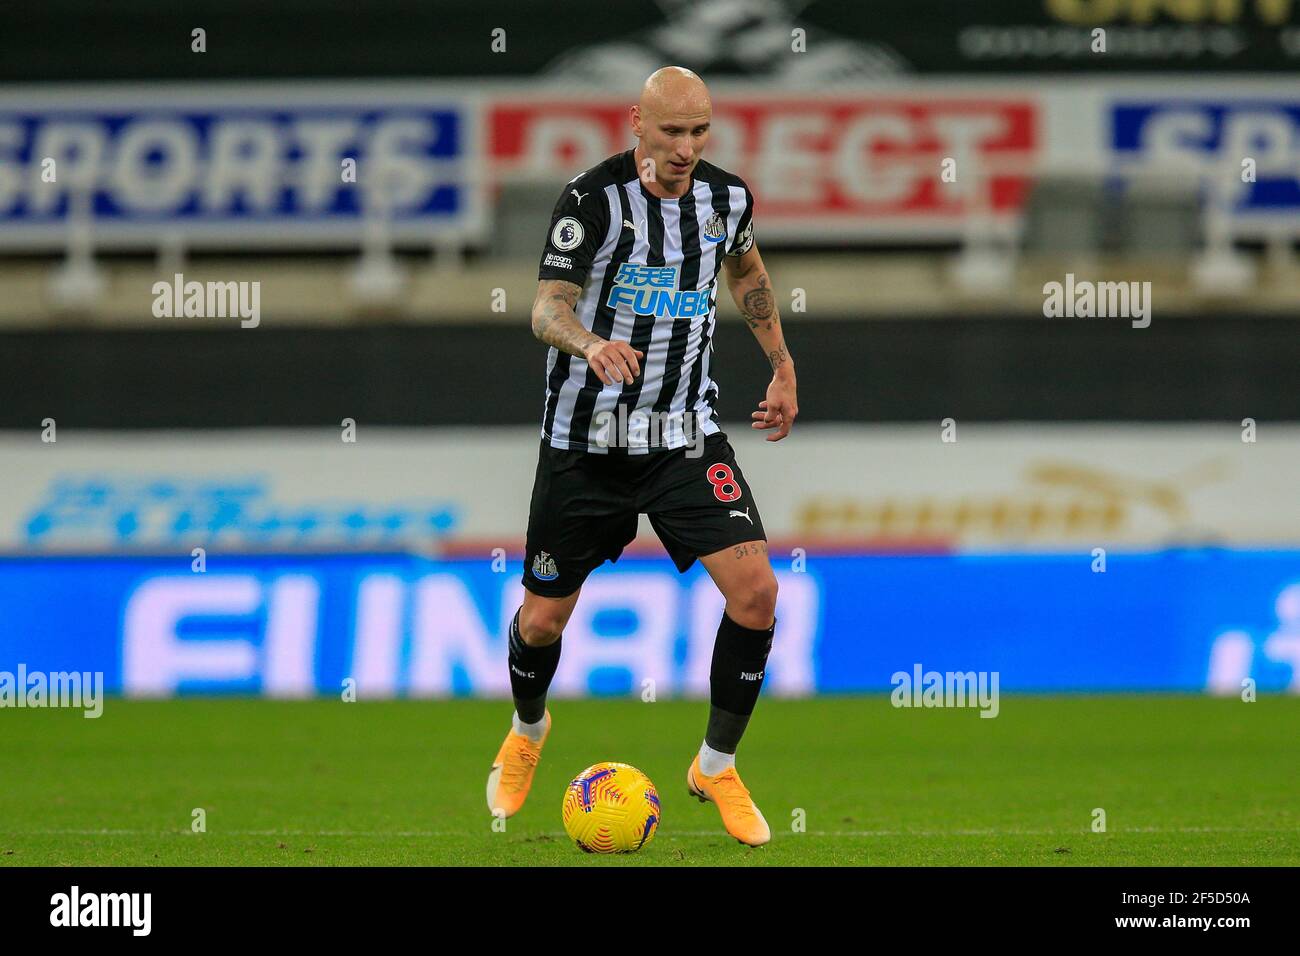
739 815
512 771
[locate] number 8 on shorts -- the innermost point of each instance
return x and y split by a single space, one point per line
725 486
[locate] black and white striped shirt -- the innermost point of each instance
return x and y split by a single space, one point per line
649 271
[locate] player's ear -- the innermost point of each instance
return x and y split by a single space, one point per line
635 115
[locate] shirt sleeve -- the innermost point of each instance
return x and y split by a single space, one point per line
577 231
744 240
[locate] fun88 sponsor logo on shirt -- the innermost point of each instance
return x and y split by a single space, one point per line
652 290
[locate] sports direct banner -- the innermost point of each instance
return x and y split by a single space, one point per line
334 164
384 626
266 164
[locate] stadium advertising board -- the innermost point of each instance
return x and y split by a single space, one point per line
293 626
268 165
1245 149
833 166
464 491
1107 35
273 164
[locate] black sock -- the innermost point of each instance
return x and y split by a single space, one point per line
531 670
735 678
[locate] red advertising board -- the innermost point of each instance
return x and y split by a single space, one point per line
826 167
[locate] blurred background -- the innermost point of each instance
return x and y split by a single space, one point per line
317 467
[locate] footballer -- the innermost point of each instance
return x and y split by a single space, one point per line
626 301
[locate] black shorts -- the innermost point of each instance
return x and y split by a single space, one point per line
585 508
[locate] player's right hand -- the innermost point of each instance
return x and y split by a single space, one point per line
614 361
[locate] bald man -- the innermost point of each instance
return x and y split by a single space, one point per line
625 299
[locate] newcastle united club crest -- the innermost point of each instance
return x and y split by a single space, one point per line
715 230
544 568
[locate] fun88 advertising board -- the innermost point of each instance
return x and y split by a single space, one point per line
234 166
394 625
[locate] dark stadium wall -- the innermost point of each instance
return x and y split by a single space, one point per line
1204 369
63 40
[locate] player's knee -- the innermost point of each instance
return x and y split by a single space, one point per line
542 626
755 606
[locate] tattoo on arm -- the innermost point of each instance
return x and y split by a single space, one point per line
759 304
758 307
554 319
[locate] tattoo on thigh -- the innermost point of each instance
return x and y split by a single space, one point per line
753 547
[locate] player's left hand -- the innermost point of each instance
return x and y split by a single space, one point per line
778 411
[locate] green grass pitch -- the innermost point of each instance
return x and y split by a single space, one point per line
1182 780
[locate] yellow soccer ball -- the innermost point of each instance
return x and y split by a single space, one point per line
611 808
